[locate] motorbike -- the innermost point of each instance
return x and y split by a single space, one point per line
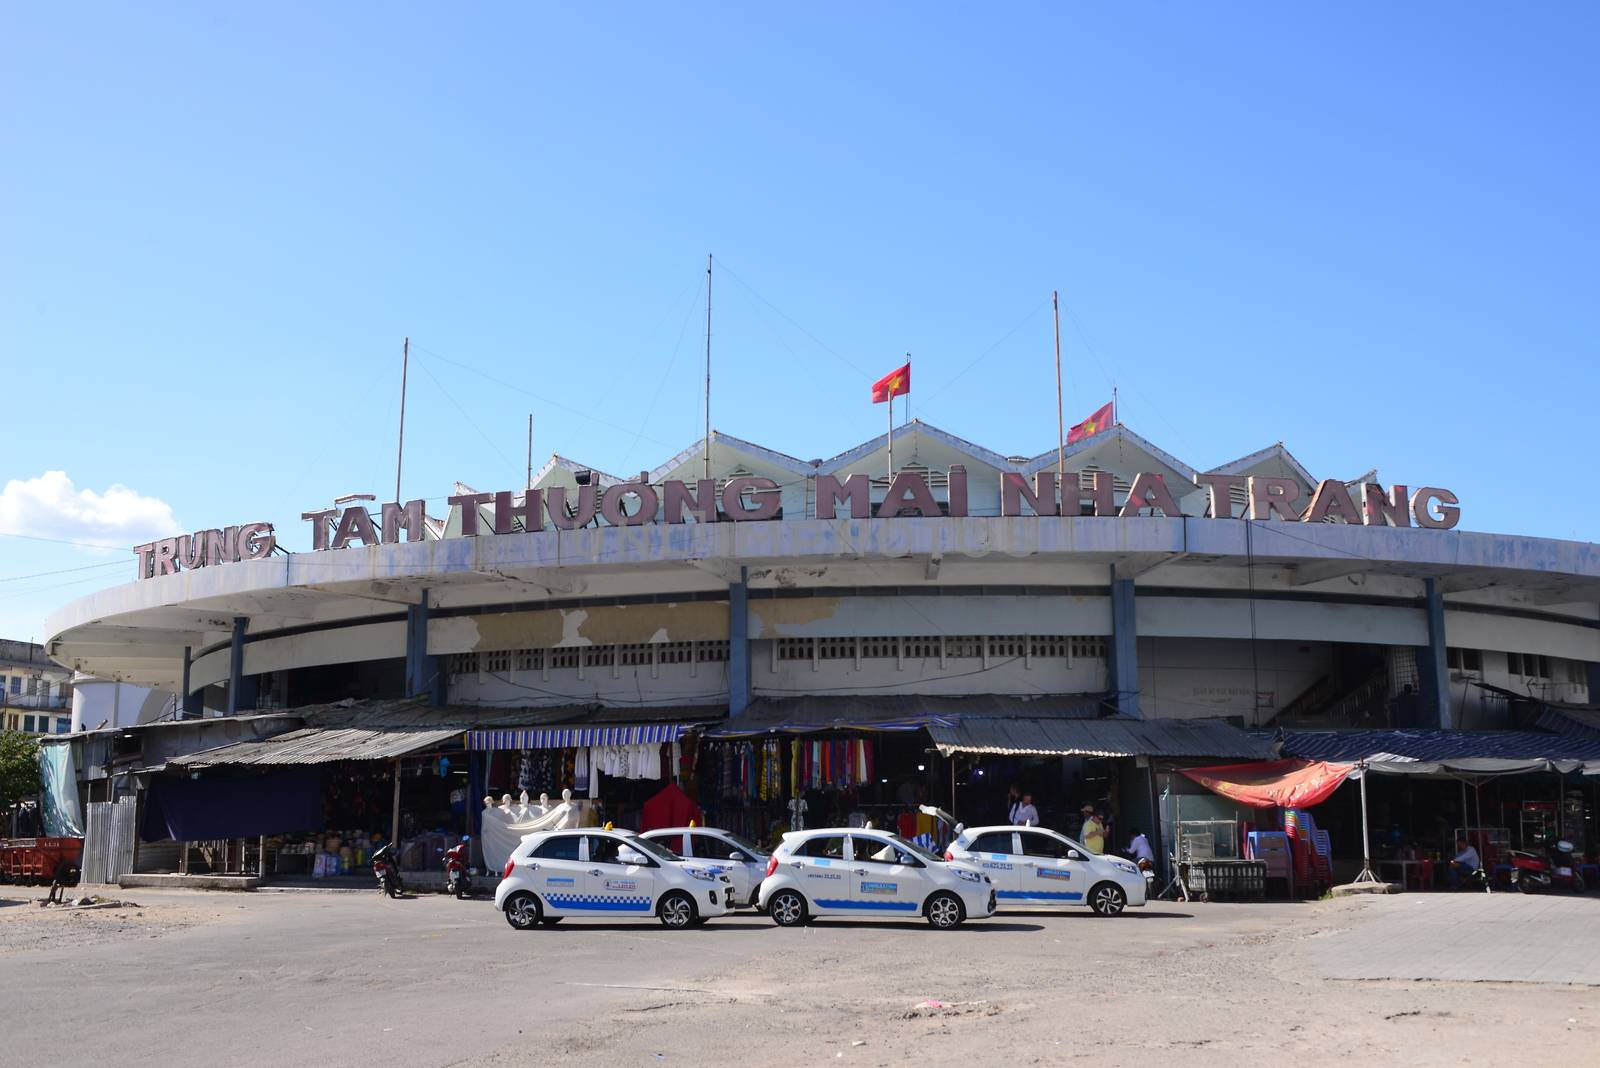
1148 870
1557 869
386 866
458 880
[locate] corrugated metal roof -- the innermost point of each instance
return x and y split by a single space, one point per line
383 730
1113 737
1581 722
316 745
1437 745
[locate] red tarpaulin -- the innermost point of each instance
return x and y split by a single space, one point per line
1273 783
670 807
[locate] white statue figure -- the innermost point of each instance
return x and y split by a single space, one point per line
504 827
488 801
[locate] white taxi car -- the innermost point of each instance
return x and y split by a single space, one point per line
1033 866
744 862
848 872
589 872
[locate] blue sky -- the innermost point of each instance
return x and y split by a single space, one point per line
1368 232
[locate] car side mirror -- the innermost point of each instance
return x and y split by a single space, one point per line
735 856
629 855
1073 854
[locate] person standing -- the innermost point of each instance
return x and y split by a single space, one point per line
1093 834
1023 814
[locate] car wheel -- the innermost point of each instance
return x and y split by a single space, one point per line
676 909
787 908
523 911
944 910
1107 899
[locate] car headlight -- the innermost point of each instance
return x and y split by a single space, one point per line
969 876
703 873
1123 865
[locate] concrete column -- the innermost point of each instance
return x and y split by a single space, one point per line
738 645
241 691
1432 671
1594 683
191 705
422 671
1124 648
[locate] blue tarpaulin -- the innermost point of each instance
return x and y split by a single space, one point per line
196 810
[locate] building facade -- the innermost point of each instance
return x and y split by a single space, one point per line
36 693
1252 592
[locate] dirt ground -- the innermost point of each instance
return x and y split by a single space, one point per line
337 978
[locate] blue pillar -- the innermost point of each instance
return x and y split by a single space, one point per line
1432 671
241 691
422 671
192 705
738 645
1124 648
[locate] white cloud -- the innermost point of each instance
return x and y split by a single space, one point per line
50 506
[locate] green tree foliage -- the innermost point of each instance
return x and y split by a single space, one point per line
19 767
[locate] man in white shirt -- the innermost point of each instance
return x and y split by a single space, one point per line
1139 848
1023 814
1466 862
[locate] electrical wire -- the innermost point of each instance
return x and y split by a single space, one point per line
64 571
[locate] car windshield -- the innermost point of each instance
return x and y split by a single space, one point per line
743 842
655 849
914 849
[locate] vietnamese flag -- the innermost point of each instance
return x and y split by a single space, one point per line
1091 426
893 384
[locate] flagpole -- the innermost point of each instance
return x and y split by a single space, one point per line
890 439
708 366
1061 436
400 450
1115 419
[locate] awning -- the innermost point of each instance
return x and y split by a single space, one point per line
891 713
1111 737
574 737
1273 783
317 745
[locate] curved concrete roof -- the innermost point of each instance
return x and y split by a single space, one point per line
138 631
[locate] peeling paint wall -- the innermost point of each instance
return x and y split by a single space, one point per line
663 684
561 627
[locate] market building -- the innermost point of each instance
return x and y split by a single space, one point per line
829 640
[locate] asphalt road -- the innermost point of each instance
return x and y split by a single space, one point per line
274 979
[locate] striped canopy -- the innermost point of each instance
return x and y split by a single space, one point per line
574 737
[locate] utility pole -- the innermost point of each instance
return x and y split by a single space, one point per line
405 365
529 483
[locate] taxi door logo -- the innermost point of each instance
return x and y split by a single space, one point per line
882 889
1055 873
558 880
622 884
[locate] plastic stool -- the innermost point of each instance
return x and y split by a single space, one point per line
1424 875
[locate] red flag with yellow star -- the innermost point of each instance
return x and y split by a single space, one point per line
1100 420
893 384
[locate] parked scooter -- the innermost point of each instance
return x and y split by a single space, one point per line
458 880
1148 870
1556 870
386 866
